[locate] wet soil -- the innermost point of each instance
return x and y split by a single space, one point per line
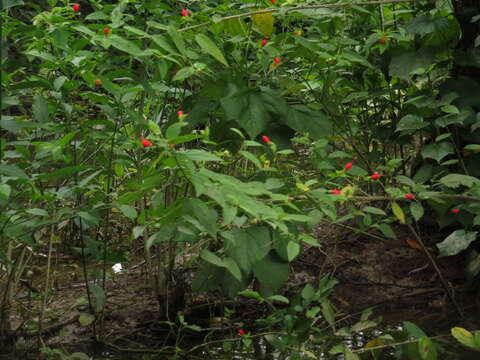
391 276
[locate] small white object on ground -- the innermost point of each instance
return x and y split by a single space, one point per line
117 268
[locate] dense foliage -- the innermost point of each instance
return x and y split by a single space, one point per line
228 130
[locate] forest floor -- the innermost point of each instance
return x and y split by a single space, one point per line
391 276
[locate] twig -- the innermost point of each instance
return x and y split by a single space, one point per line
445 285
304 7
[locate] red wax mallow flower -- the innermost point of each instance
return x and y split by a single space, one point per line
265 139
409 196
375 176
106 31
264 42
180 113
185 12
146 143
98 82
76 8
455 211
241 332
336 192
273 1
348 166
277 60
383 40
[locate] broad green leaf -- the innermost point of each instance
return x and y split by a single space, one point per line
473 147
264 23
374 210
13 171
178 40
210 48
293 249
410 123
5 191
163 42
200 155
456 180
236 27
308 292
398 212
247 247
387 230
417 210
424 24
211 258
249 156
438 151
174 130
465 337
86 319
124 45
40 109
305 120
427 349
405 63
328 313
66 171
37 212
271 273
184 73
129 211
99 296
278 298
232 267
5 4
456 242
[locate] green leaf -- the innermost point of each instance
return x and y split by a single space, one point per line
211 258
398 212
174 130
5 4
374 210
184 73
200 155
66 171
124 45
293 249
417 210
210 48
249 156
37 212
456 242
5 191
99 296
304 120
129 211
177 38
473 147
456 180
423 25
278 298
465 337
86 319
387 230
410 123
271 273
40 109
328 313
236 27
233 268
264 23
13 171
438 151
163 42
248 110
405 63
247 247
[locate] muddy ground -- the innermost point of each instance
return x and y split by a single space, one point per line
391 276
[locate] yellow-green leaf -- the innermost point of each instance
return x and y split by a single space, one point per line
398 212
264 23
236 27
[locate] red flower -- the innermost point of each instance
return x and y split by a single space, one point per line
106 31
146 143
174 72
348 166
185 12
273 1
409 196
455 211
336 192
277 60
241 332
171 146
76 8
265 139
375 176
98 82
264 42
180 113
383 40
